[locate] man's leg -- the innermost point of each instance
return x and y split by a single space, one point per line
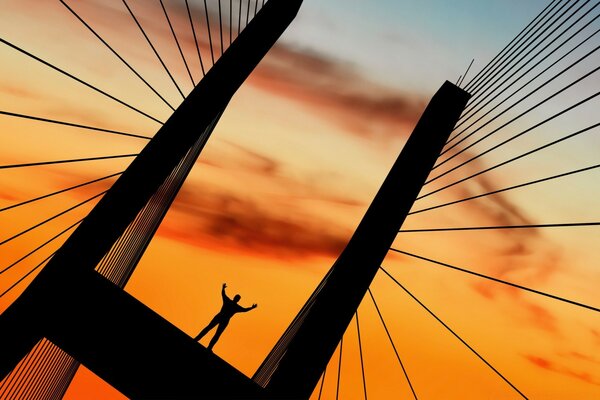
218 333
204 331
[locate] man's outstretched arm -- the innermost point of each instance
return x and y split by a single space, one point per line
246 309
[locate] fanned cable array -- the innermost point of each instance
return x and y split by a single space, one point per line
536 86
214 25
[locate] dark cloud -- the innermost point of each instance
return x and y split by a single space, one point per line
225 220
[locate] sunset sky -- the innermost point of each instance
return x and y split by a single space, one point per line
293 165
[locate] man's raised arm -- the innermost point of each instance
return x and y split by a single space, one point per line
223 294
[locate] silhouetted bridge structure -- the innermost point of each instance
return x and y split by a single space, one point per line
75 311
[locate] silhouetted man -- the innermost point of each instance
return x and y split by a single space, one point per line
230 307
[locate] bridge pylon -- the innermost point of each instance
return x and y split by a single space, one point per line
294 366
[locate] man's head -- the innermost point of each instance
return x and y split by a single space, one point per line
237 298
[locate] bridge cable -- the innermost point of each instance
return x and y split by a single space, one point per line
32 391
51 218
468 113
392 343
508 162
9 380
220 26
360 353
248 13
118 264
65 381
240 17
498 57
71 124
455 334
540 148
55 388
26 275
483 228
40 246
54 361
568 173
212 54
68 376
525 40
66 161
125 248
56 358
499 76
131 13
527 83
72 372
462 77
46 357
322 379
187 68
544 58
143 228
31 367
572 107
73 77
339 372
189 13
531 40
13 380
514 119
150 217
115 53
50 365
171 189
46 366
126 244
62 384
22 203
35 374
525 288
267 368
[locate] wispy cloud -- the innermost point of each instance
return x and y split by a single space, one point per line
580 356
9 89
549 365
522 256
335 91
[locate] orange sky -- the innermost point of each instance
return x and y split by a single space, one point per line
280 187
